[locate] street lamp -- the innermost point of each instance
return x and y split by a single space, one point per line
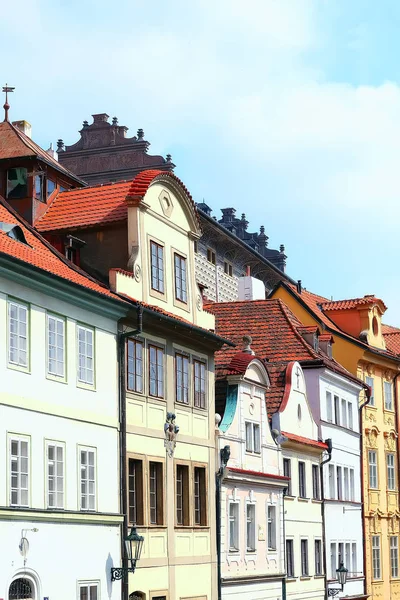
133 549
341 574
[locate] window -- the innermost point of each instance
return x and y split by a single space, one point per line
199 373
17 334
337 410
50 187
211 256
339 487
228 268
17 183
373 469
347 562
334 564
318 557
182 495
180 278
329 407
344 413
251 528
390 471
233 526
156 368
376 557
38 185
370 381
55 475
55 346
157 267
354 559
182 378
88 479
200 501
271 528
331 481
252 437
350 414
352 493
287 468
394 556
88 591
85 355
289 558
19 472
388 395
302 480
156 493
135 491
315 482
346 483
135 366
304 558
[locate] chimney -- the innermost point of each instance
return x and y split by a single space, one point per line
251 288
52 152
299 288
23 126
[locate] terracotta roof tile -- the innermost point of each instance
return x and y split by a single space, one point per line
258 474
367 300
305 441
392 338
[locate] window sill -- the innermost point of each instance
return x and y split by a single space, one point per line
233 551
301 499
19 368
305 577
316 501
319 576
291 498
86 386
55 378
291 578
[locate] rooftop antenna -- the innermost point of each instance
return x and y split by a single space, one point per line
6 106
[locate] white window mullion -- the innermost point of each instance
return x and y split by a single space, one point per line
19 472
55 475
18 350
85 355
88 479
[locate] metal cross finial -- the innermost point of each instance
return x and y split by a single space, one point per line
6 106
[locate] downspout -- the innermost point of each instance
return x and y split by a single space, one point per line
321 477
224 454
122 442
284 544
360 419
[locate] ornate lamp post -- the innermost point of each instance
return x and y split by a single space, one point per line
341 574
133 549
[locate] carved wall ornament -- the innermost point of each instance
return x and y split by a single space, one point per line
171 431
388 375
371 417
388 419
199 302
372 434
138 273
390 440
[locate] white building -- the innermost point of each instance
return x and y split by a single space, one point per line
59 424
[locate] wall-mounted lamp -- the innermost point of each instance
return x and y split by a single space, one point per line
133 549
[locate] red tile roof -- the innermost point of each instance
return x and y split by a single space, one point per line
258 474
392 338
298 439
239 363
367 300
14 143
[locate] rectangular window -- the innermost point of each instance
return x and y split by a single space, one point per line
252 437
315 482
370 381
85 355
88 591
394 556
88 479
287 471
334 564
55 475
339 487
354 559
376 557
304 558
289 558
388 395
346 483
347 562
17 183
50 187
228 269
337 410
135 492
350 414
180 278
344 413
251 528
156 371
55 346
199 374
373 469
318 557
233 526
302 480
182 495
391 481
19 472
156 493
182 378
17 334
211 256
200 496
329 415
157 267
352 492
134 373
332 482
271 528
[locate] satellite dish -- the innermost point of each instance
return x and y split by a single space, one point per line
24 547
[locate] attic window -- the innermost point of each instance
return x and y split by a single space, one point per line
13 231
17 183
375 327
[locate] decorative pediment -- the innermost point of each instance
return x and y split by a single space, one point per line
376 516
393 521
372 435
390 440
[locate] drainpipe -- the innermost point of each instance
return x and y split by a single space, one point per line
321 477
360 419
122 441
284 543
224 457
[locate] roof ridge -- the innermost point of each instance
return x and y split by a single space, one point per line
284 308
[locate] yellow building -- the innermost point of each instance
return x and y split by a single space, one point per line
360 346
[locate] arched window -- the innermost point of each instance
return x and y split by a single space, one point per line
137 596
21 589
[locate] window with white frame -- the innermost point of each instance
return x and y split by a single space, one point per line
370 381
157 267
329 414
182 378
339 486
55 475
336 406
315 482
302 480
156 371
376 557
346 483
55 346
391 477
350 415
289 558
251 527
199 380
271 514
345 552
318 557
18 342
287 472
373 469
85 354
394 556
352 492
331 473
344 413
233 526
19 471
252 437
388 393
354 570
88 590
304 558
180 278
334 564
134 365
88 478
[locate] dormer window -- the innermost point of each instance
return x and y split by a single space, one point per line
38 187
50 187
17 183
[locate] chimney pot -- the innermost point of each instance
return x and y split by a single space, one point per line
299 288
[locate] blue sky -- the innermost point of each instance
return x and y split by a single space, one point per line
287 110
